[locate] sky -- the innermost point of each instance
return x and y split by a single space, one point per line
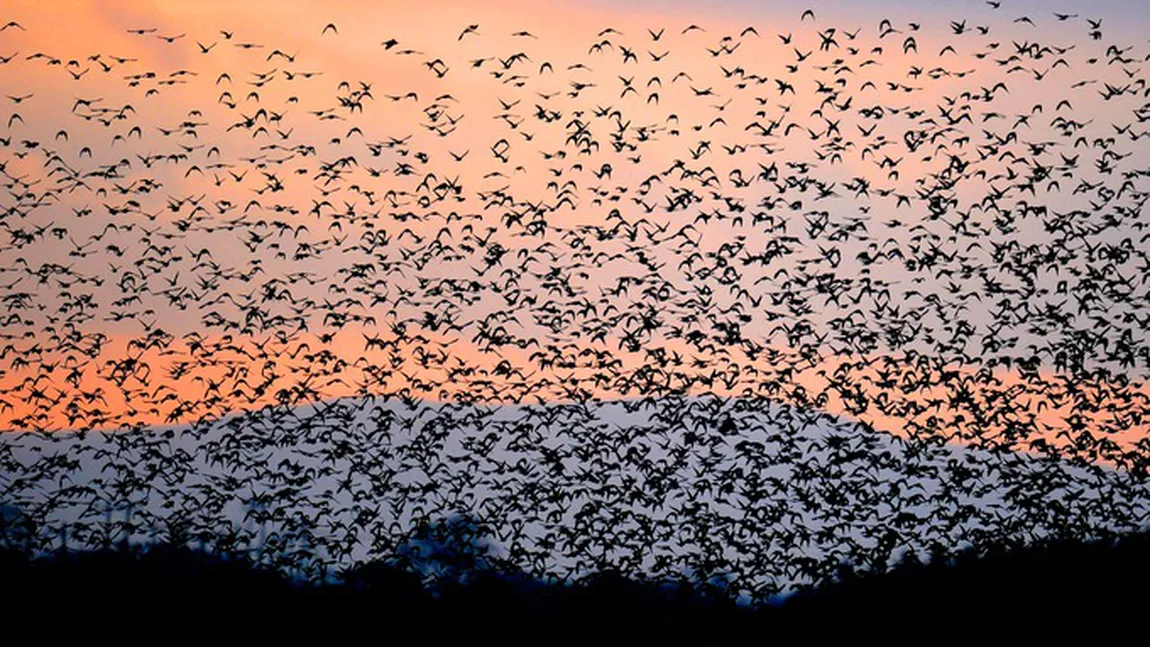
126 334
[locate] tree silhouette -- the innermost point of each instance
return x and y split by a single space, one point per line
447 551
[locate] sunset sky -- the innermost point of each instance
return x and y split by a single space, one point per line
190 215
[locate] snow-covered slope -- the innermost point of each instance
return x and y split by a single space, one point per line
765 495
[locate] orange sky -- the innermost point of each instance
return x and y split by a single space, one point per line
171 85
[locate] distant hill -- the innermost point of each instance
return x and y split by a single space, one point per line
764 496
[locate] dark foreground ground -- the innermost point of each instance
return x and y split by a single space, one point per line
1060 590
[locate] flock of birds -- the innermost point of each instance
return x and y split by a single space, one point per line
747 304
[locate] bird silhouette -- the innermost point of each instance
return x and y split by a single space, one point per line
745 306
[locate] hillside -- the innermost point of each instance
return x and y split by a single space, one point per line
763 495
1065 589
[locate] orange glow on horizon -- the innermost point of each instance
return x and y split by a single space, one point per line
226 191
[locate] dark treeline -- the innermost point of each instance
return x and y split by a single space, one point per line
1055 588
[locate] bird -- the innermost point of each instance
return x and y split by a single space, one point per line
744 305
470 29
